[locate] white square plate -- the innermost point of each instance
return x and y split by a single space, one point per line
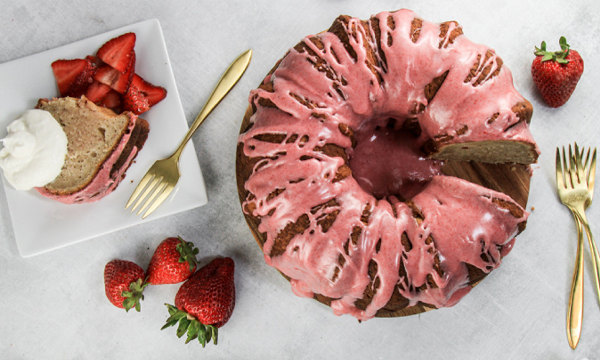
41 224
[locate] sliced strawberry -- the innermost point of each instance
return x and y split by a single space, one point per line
135 101
153 93
66 71
106 75
79 86
96 91
119 82
116 52
112 100
94 60
124 79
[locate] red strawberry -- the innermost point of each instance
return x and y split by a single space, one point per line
94 60
174 261
83 80
119 82
106 75
112 100
556 73
124 80
153 93
124 284
67 72
96 92
117 51
134 101
204 302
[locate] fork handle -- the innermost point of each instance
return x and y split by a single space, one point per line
582 219
575 309
230 77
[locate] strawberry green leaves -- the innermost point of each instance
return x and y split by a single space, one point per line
190 325
558 56
133 296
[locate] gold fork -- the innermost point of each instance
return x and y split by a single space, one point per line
574 192
161 178
590 176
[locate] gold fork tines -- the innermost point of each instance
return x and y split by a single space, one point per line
591 173
161 178
156 185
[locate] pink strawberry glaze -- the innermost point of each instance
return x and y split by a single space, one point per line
458 215
104 182
410 169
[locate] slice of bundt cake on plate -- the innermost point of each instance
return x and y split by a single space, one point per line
101 147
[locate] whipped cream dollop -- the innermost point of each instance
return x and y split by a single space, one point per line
34 150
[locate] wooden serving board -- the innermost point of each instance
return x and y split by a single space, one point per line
511 179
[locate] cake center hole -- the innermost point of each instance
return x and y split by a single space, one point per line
388 161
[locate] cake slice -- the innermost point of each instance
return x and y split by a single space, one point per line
101 147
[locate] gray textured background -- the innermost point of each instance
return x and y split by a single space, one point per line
53 305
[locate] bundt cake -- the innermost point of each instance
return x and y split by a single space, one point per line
341 164
101 147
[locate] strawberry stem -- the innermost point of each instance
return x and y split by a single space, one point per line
194 328
558 56
188 253
134 295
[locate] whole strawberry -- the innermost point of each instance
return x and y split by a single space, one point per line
204 302
556 74
174 261
124 284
